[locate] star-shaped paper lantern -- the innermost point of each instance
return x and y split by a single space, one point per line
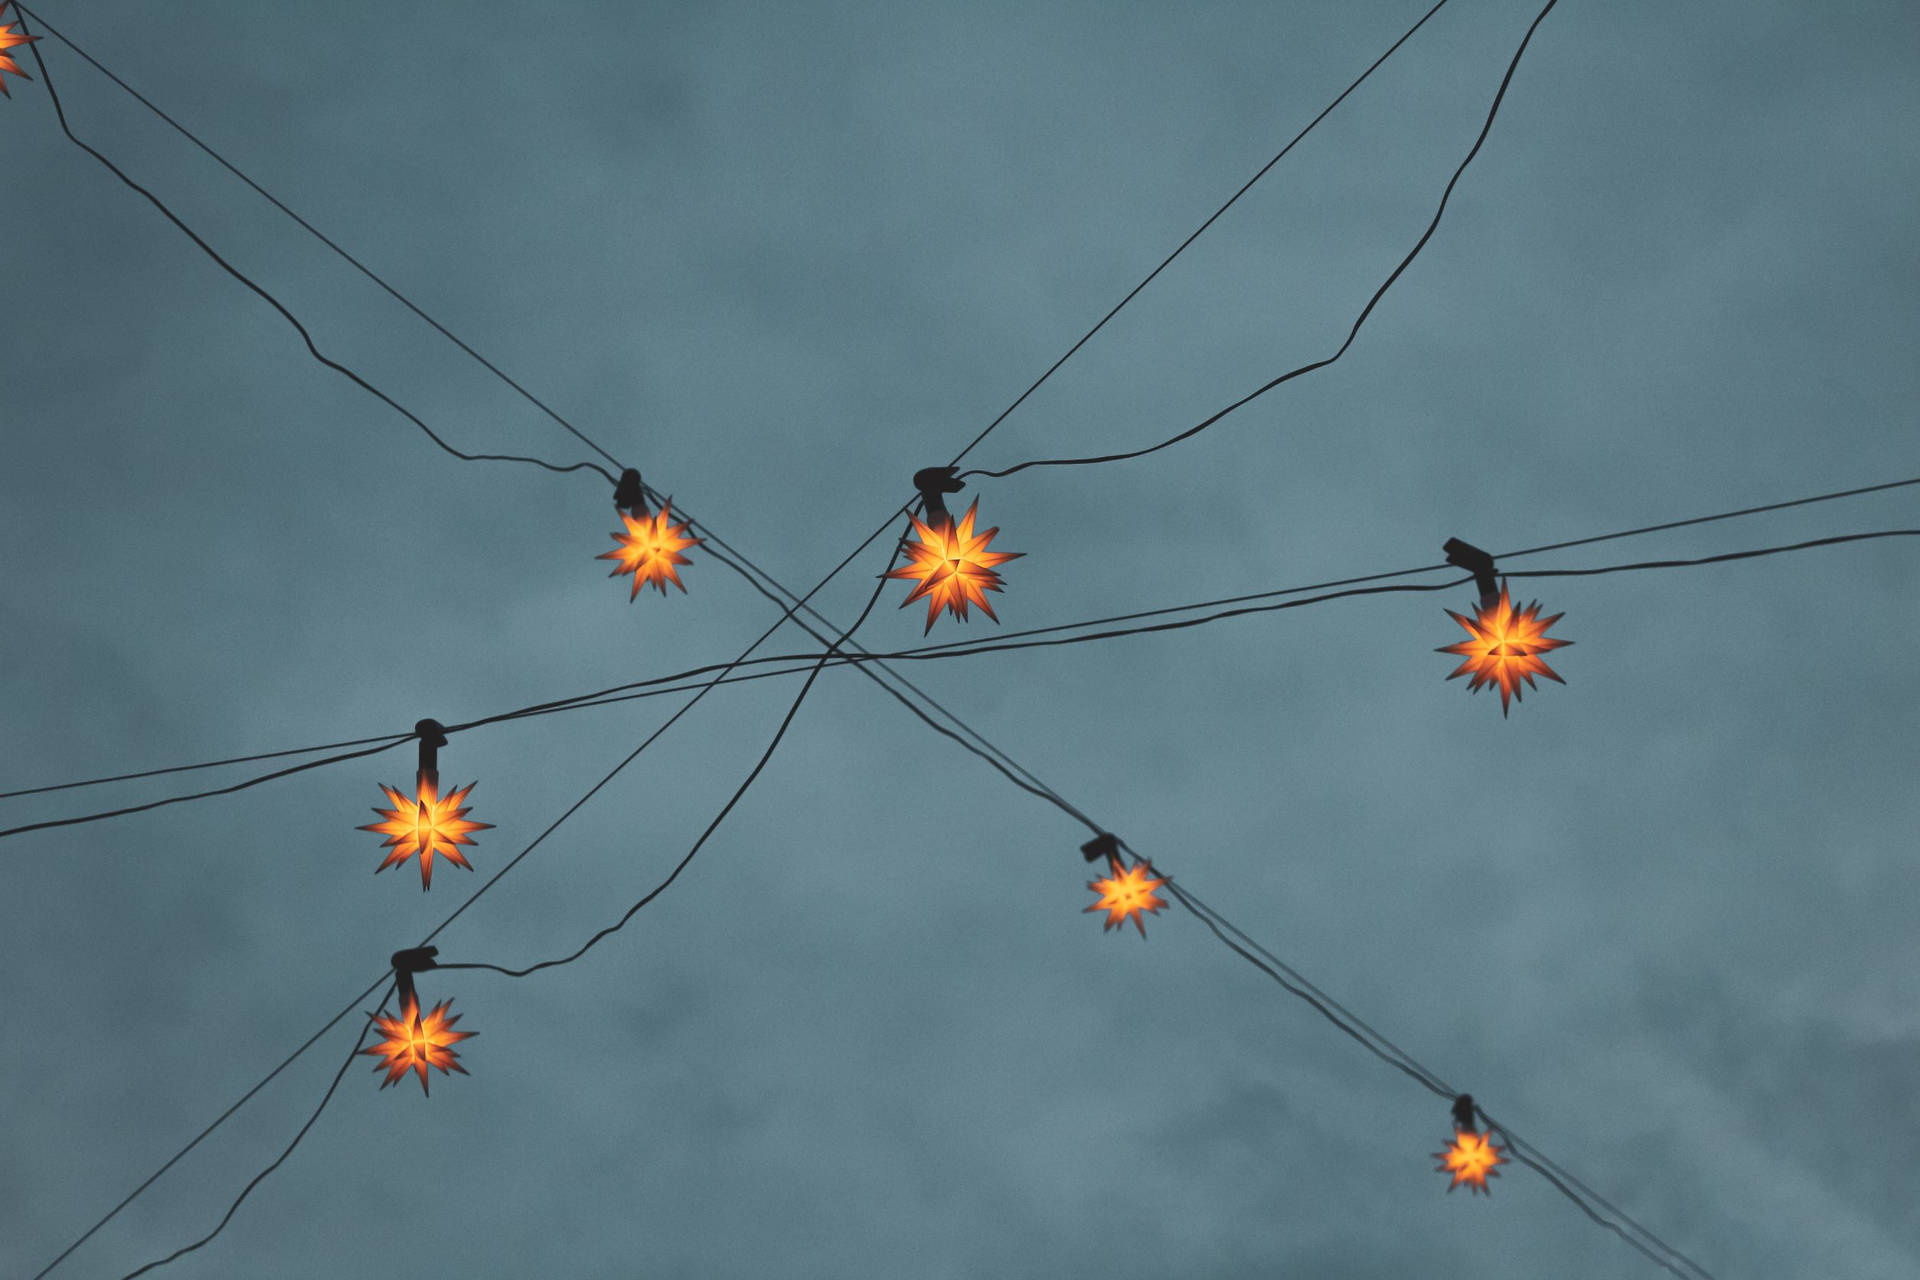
1472 1158
9 38
650 549
1505 647
952 566
414 1043
1126 894
428 824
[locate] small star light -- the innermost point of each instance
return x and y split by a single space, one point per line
427 825
1472 1158
414 1043
1505 647
9 38
1128 892
649 549
953 566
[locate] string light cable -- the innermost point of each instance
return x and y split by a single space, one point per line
462 908
1352 333
541 405
870 538
60 112
1291 980
864 659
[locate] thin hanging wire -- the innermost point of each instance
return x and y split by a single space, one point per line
1353 333
306 337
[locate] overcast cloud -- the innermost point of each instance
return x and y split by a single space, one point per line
779 257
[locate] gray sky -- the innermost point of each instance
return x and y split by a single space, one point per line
779 257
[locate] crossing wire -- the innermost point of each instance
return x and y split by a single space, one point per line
864 659
825 654
554 414
1352 333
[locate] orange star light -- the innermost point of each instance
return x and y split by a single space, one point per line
9 38
953 566
1128 892
414 1043
649 550
1505 647
1472 1159
428 825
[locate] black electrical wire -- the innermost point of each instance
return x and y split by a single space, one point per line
793 664
1351 334
1566 1184
279 1160
276 304
319 235
725 809
189 768
219 1120
202 795
1325 112
553 414
471 899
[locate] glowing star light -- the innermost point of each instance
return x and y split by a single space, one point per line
414 1043
1472 1159
953 566
9 38
1505 647
426 825
1128 892
649 549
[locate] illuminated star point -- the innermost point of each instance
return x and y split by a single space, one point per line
952 567
1506 645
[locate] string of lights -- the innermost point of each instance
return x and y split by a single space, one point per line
825 656
444 924
554 414
1614 1219
60 112
863 659
792 710
1352 333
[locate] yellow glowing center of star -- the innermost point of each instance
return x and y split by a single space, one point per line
650 550
426 825
1472 1158
1504 647
952 567
414 1043
1126 895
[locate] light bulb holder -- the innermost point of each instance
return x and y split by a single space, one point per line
1464 555
629 494
1463 1114
405 965
433 736
933 483
1105 845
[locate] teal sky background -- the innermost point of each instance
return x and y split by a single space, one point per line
779 257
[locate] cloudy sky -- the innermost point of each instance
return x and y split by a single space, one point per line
779 257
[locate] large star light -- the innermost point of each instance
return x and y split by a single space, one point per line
428 824
1504 647
952 566
414 1043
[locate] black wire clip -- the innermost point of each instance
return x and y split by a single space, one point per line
1465 555
1105 845
933 482
405 965
433 736
629 494
1463 1113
